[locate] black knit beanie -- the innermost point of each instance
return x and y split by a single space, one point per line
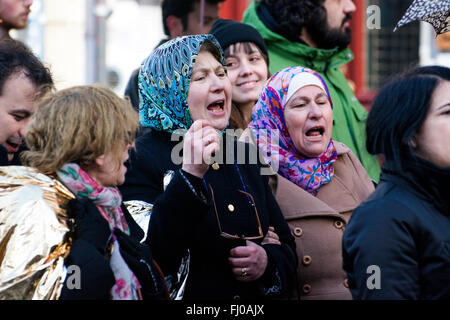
229 32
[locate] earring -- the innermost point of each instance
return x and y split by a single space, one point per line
412 143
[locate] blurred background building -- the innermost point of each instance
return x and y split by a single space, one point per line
93 41
103 41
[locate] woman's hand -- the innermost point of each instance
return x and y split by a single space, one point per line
271 237
199 145
249 262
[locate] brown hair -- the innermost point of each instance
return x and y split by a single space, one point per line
247 48
210 47
16 57
237 119
78 125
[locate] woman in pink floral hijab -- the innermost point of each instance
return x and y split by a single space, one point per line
319 182
304 152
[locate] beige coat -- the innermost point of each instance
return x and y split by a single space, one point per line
318 224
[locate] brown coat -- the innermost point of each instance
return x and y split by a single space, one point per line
318 224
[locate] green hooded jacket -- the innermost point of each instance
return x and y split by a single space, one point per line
349 116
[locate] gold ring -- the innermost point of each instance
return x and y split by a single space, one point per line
244 272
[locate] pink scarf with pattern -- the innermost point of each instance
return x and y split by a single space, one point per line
108 200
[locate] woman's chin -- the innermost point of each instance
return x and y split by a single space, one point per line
313 151
243 98
220 126
220 123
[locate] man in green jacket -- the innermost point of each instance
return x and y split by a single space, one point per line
315 34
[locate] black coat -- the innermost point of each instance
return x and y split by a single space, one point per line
15 160
131 90
3 156
404 229
97 278
182 220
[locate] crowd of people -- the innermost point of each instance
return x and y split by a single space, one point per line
257 166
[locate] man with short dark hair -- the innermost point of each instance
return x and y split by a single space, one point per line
180 18
13 15
23 80
315 34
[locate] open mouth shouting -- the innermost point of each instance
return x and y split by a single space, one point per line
12 145
217 107
315 133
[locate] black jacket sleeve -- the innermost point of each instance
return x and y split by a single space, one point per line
177 206
91 272
95 275
379 252
91 277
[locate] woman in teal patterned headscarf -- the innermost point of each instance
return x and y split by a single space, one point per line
220 213
164 80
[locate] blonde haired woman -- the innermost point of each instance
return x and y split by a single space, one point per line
82 136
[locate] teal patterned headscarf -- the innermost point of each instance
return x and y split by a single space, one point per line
164 79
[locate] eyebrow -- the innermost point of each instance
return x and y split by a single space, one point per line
319 95
234 52
24 111
443 106
206 69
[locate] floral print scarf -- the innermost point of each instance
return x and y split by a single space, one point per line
273 139
108 201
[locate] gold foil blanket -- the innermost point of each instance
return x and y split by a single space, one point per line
33 234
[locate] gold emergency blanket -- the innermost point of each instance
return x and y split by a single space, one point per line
141 212
33 234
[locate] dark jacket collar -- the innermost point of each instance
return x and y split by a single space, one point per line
15 160
422 178
3 157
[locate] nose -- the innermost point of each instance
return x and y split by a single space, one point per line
349 6
245 68
28 3
218 83
315 111
24 127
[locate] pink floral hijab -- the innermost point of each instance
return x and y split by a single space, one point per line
274 141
